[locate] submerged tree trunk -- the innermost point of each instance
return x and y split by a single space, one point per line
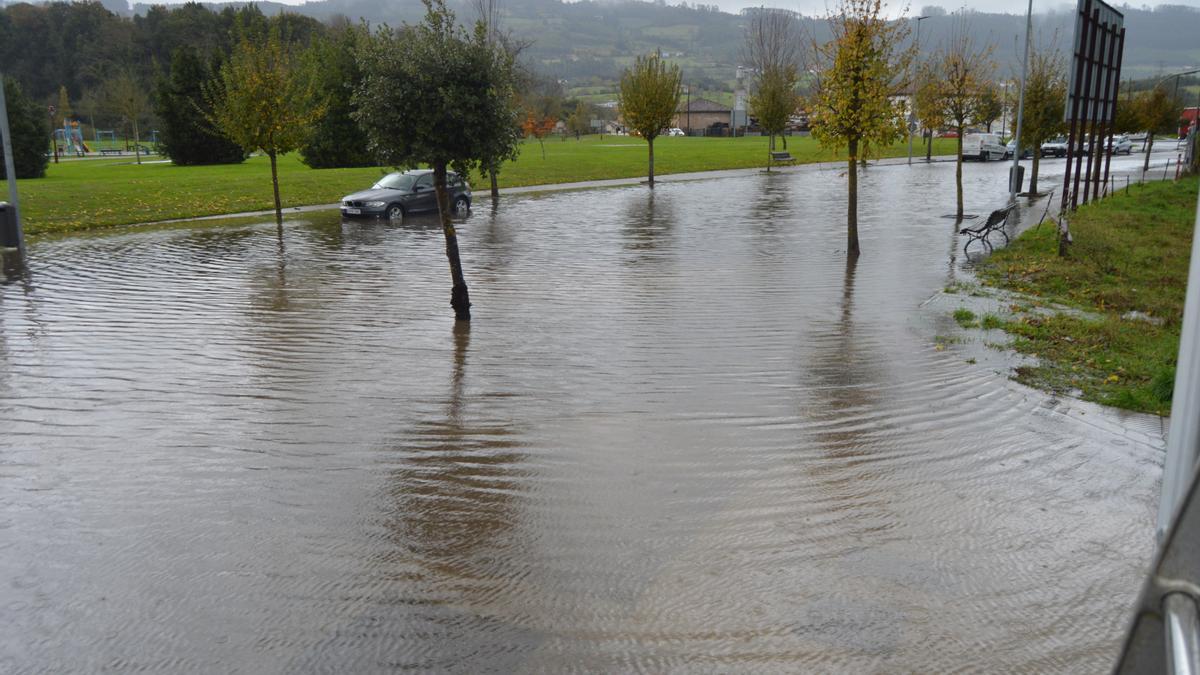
1149 144
275 186
651 143
460 299
958 175
852 249
495 188
137 143
1033 170
929 146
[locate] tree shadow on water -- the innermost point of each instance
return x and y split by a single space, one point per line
448 575
648 225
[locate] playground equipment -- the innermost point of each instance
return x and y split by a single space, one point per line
71 138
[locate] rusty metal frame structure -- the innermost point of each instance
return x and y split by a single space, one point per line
1095 79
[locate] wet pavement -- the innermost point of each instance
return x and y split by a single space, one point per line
680 434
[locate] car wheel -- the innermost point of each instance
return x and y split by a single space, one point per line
462 206
395 212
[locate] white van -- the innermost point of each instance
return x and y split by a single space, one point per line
983 147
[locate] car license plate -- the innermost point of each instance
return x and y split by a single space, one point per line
353 212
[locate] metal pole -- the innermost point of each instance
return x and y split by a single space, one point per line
1012 179
1095 126
9 169
1182 631
1073 98
1090 23
1183 437
912 115
1112 117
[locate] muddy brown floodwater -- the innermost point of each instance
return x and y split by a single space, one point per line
681 434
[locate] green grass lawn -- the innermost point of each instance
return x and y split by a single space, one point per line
79 195
1131 254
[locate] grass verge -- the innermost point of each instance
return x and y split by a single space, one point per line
1128 273
86 194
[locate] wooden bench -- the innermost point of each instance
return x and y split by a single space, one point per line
110 151
783 157
994 223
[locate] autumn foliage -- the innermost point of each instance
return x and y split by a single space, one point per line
539 128
858 71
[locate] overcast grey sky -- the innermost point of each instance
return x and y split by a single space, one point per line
817 7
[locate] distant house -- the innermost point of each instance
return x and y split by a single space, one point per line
701 114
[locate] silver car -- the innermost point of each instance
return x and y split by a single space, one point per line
399 194
1120 145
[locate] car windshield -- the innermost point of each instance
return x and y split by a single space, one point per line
396 181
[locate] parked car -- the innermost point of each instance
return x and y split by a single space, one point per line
1120 145
982 147
399 194
1055 147
675 131
1026 152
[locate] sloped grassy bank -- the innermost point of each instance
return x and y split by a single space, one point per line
1128 272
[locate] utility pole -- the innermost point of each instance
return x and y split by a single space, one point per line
1016 165
10 171
912 115
52 111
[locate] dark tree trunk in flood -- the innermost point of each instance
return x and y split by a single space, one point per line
275 187
460 299
852 201
1033 170
651 143
929 146
958 175
495 188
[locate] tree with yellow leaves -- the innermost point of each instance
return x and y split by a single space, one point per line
858 72
1045 96
649 97
263 101
962 75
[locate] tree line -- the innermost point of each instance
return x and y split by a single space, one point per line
862 90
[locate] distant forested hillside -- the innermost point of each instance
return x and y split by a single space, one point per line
584 43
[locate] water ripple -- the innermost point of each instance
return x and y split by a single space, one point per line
681 434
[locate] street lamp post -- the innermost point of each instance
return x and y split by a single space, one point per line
1004 109
1012 178
11 172
912 89
689 110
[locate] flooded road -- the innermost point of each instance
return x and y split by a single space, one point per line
681 434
